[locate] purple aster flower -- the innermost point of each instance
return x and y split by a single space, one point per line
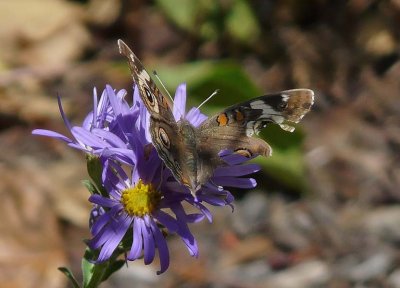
137 206
93 136
139 189
118 134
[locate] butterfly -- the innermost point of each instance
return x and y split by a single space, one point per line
192 153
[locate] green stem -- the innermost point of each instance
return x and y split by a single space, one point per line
98 273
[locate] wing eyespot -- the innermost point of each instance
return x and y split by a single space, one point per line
149 95
163 136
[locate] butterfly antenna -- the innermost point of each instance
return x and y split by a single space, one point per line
162 84
209 97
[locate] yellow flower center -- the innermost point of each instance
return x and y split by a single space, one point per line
140 200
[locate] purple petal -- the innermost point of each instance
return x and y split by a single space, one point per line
52 134
87 138
195 117
102 201
149 246
232 158
194 218
235 182
65 119
95 107
179 108
161 244
100 223
213 200
137 244
88 122
115 104
136 96
237 170
115 235
110 138
104 228
204 210
123 155
166 220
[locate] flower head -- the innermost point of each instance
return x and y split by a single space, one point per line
139 198
137 207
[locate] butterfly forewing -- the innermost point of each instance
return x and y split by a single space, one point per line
156 103
163 128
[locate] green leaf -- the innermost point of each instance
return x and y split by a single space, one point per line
204 77
70 276
95 169
286 166
241 23
113 267
182 12
87 271
93 273
286 163
90 187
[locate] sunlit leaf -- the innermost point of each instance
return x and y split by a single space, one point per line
70 276
286 163
182 13
204 77
241 22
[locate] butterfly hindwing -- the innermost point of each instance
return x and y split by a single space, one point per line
233 127
278 108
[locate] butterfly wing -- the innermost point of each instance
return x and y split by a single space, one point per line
232 128
169 144
155 102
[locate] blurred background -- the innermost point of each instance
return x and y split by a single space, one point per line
326 211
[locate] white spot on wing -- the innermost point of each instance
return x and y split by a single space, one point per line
285 97
250 128
278 119
267 109
143 74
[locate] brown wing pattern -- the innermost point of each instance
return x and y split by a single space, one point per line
231 129
164 130
155 101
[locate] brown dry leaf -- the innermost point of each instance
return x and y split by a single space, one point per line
37 191
31 247
49 33
249 249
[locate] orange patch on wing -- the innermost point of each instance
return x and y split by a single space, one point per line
222 119
239 116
